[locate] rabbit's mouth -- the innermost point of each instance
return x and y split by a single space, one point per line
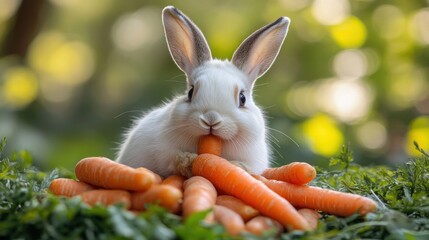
212 122
224 133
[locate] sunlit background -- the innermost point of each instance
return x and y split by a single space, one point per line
74 73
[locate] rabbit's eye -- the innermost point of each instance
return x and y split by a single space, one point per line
190 93
242 99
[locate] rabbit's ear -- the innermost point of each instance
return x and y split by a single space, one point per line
257 52
186 43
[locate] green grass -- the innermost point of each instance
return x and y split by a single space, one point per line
27 211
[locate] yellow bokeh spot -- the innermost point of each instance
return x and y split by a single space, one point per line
63 61
19 88
351 33
323 135
419 132
71 62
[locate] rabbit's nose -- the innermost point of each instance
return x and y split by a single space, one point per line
210 119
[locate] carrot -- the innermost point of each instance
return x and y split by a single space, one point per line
325 200
199 195
295 172
158 178
210 144
259 224
68 187
106 173
166 196
245 211
238 183
106 197
312 216
175 181
232 222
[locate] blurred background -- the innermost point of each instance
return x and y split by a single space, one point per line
75 73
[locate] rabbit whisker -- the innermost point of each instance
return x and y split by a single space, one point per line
284 134
126 112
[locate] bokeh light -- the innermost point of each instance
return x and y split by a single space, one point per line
418 132
408 85
62 60
300 100
348 100
372 135
133 30
330 12
292 5
62 64
323 135
351 63
351 33
419 26
389 21
8 8
93 10
372 59
19 88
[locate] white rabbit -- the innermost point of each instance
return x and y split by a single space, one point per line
218 100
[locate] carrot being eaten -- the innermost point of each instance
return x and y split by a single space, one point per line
210 144
296 172
68 187
105 173
235 181
325 200
238 183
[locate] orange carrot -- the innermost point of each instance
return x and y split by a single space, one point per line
199 195
232 222
295 172
259 224
106 173
325 200
312 216
68 187
210 144
175 181
238 183
166 196
158 178
245 211
106 197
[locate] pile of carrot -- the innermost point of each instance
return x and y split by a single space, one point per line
278 199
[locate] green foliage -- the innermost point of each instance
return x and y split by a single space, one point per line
402 195
28 210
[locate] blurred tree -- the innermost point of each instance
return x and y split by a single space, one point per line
24 28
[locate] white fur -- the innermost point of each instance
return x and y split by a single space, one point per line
157 138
